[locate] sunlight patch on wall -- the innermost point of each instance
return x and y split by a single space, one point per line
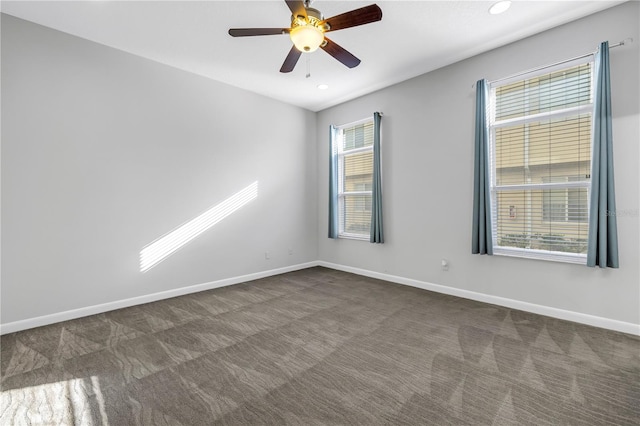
163 247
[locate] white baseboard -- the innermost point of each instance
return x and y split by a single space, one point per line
611 324
125 303
578 317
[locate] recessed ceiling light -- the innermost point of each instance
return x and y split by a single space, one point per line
500 7
323 86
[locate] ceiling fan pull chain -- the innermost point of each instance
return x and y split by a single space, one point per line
308 66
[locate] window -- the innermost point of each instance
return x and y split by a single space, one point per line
564 205
540 162
355 178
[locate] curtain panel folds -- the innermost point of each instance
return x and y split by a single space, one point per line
377 232
333 184
481 239
602 246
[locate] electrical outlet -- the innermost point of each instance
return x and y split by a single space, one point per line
266 255
290 252
444 263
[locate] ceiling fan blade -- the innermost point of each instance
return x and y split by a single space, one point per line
340 54
364 15
297 8
246 32
291 60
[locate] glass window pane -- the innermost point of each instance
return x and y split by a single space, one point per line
357 214
358 171
577 207
526 154
546 147
546 93
358 136
537 219
355 179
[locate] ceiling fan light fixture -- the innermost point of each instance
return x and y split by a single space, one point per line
306 38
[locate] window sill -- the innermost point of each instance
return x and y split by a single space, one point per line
553 256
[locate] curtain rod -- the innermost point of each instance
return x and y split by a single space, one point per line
622 43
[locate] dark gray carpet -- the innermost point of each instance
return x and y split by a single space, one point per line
319 347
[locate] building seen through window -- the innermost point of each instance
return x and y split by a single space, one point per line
355 178
540 130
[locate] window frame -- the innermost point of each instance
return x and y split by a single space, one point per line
342 195
494 189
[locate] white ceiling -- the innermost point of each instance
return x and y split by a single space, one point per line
413 37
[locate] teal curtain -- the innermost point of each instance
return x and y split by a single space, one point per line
602 247
377 233
481 239
333 183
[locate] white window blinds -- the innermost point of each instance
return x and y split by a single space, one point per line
355 177
540 130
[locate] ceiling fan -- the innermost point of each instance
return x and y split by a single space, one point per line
307 30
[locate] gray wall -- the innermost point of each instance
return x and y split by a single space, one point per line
427 171
103 152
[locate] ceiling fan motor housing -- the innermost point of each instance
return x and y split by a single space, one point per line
314 16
